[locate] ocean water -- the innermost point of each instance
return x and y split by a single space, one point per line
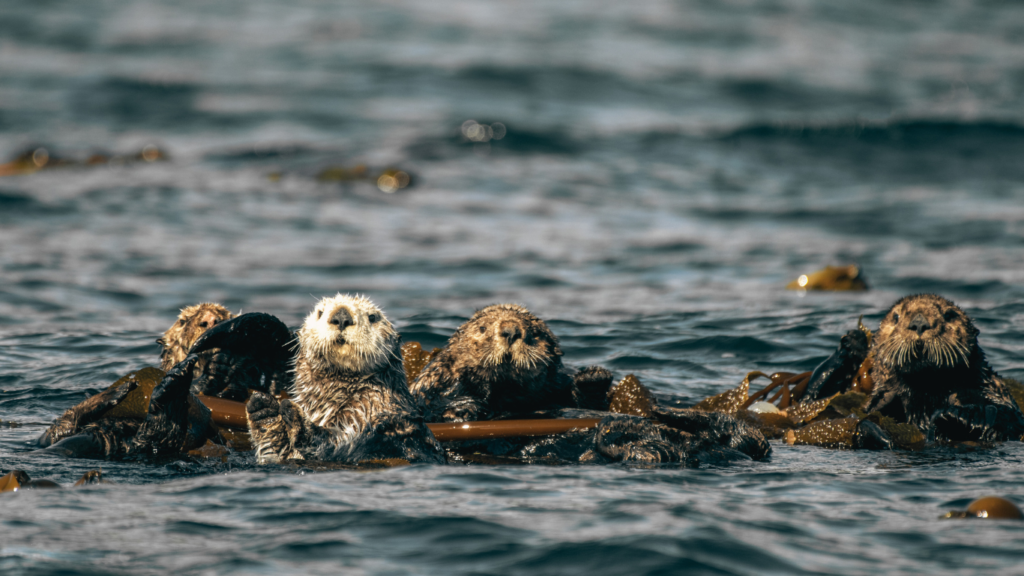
666 168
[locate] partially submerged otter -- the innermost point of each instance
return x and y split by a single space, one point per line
192 322
351 401
173 419
220 372
929 370
152 413
505 363
922 378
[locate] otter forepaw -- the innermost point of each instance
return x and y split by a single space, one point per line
871 436
975 423
226 375
262 407
295 424
592 384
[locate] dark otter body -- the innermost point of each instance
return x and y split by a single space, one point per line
504 361
150 413
174 421
351 401
928 370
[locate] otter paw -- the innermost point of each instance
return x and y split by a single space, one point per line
871 436
593 384
262 407
975 423
226 375
294 423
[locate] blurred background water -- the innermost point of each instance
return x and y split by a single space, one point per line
663 169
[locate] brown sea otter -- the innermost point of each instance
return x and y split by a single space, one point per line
929 370
506 363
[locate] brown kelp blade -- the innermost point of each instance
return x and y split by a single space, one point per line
232 415
455 431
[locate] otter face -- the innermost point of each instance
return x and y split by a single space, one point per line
193 322
509 335
925 331
348 334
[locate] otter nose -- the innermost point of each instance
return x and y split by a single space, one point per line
342 319
919 324
510 332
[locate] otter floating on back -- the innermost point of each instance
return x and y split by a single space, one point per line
351 399
504 362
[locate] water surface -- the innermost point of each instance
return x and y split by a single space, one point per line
667 168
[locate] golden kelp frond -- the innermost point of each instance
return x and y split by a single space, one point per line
836 433
414 359
805 412
730 401
834 278
631 397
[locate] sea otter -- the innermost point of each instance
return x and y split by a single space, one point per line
150 412
192 322
929 370
219 372
351 401
173 420
504 361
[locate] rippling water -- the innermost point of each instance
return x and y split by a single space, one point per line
667 168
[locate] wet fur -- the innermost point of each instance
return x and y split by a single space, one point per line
483 373
503 361
190 325
938 379
176 422
351 401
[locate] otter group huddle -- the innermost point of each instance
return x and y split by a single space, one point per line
348 398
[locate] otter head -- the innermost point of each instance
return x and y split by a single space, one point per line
192 322
508 338
925 331
347 334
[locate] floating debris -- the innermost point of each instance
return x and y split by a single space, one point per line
991 507
833 278
37 159
389 180
91 477
20 480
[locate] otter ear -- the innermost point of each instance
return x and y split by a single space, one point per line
161 341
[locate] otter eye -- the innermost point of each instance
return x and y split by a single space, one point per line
373 318
319 313
895 316
483 329
950 315
202 324
181 322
